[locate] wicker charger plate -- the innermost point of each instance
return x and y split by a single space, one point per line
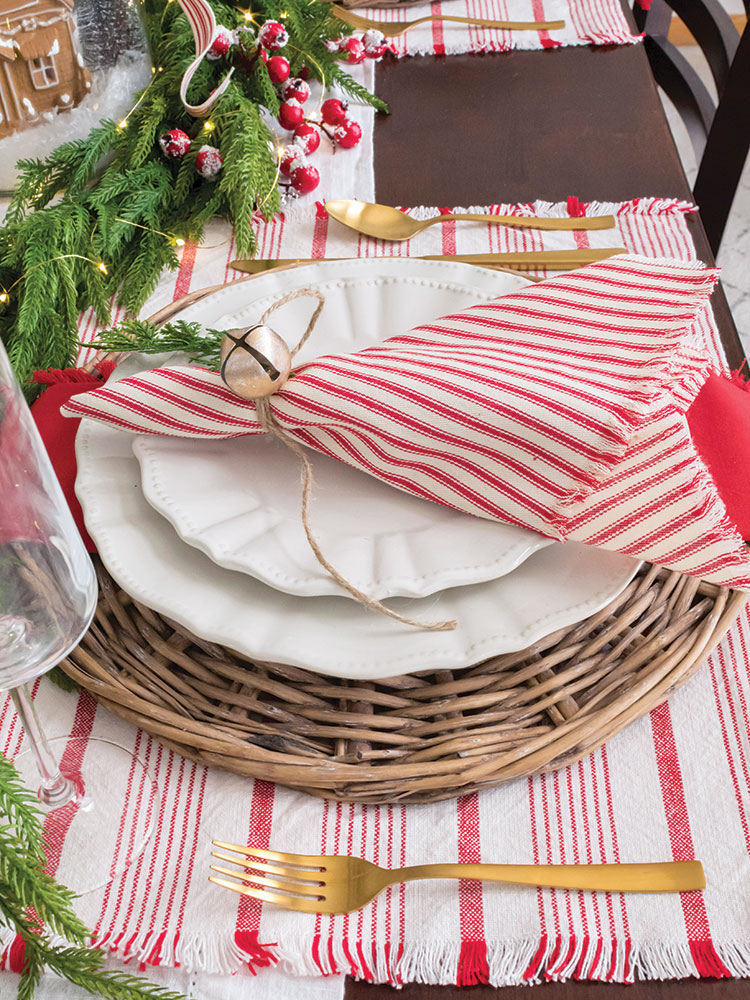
415 738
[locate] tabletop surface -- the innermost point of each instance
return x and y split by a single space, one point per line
540 125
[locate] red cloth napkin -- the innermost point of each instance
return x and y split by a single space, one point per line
719 422
59 435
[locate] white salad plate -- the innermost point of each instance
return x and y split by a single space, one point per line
555 587
238 500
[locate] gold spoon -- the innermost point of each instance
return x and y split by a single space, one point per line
386 223
392 29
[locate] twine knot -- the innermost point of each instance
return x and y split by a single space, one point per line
255 363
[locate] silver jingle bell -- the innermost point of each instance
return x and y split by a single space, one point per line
255 362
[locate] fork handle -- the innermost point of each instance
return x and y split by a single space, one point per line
530 221
667 876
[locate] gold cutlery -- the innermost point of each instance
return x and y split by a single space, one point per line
556 260
393 28
316 884
387 223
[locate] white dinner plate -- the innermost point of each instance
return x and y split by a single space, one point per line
555 587
239 500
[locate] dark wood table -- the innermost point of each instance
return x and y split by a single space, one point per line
517 126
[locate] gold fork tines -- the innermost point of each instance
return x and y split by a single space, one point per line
391 29
314 883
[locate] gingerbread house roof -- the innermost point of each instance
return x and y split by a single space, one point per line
22 8
37 43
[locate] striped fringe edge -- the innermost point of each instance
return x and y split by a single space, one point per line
509 963
520 41
548 209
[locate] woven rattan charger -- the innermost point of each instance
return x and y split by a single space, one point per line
419 737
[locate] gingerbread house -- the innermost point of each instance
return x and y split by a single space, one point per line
41 67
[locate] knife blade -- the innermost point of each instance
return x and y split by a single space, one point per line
558 260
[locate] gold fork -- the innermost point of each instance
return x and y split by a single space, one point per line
393 28
332 884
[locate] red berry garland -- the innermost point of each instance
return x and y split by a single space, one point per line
175 144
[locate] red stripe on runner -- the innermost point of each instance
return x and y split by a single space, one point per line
320 232
57 823
438 44
249 910
473 967
185 274
707 961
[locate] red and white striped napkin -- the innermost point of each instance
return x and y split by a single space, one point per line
587 22
559 408
675 784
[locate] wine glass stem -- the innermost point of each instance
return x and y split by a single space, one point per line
55 789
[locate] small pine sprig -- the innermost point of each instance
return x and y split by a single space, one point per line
33 905
202 346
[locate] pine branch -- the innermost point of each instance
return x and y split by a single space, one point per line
202 346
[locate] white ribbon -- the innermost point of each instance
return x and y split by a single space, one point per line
201 17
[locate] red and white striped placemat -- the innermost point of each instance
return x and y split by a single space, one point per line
587 22
676 784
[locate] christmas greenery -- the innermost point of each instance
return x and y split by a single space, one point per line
101 217
35 907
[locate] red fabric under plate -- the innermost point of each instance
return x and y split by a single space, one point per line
59 435
719 421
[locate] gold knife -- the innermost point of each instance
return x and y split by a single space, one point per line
557 260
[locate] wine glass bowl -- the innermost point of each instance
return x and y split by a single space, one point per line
48 595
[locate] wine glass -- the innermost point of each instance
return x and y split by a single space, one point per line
48 596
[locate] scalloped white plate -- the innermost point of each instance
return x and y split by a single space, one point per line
239 500
555 587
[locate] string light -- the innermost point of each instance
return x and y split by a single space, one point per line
123 123
208 126
98 264
176 241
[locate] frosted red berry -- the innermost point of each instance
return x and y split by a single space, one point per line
175 144
278 69
273 35
305 179
352 51
296 89
307 136
333 111
347 134
221 44
291 115
292 159
208 162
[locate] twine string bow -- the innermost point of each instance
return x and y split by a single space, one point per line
271 425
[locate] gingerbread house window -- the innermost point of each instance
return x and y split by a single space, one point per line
43 72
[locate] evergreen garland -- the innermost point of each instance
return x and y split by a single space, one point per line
99 219
33 906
